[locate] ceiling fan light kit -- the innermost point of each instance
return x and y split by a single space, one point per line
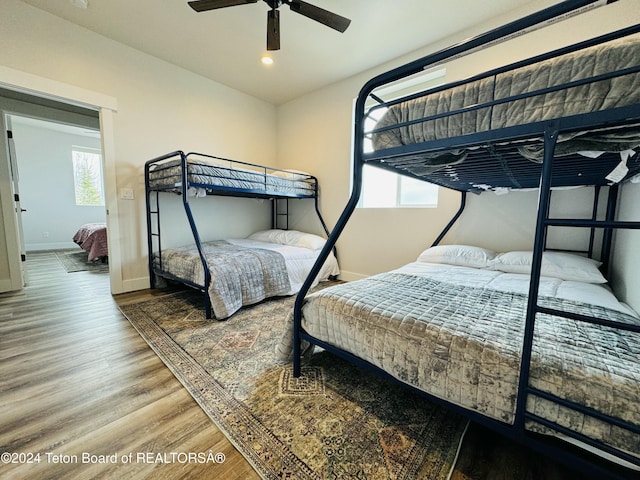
266 60
330 19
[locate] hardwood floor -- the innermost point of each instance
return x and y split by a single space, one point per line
78 385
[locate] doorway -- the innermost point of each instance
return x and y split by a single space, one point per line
60 183
57 98
41 124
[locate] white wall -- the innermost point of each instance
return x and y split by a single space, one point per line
161 108
47 186
315 131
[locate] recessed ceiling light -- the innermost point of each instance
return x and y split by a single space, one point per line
80 3
266 60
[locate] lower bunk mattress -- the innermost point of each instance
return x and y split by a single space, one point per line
456 333
246 271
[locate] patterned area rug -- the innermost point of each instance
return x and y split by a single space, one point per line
335 421
78 261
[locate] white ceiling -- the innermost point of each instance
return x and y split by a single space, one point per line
225 45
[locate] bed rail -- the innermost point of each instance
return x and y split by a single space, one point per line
210 175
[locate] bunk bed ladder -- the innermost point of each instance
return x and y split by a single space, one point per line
543 222
153 230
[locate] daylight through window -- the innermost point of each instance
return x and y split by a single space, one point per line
384 189
87 176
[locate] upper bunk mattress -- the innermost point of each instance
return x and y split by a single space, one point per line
594 96
204 177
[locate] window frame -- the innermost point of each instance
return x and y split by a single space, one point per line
96 182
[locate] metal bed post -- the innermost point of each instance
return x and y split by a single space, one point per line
151 233
463 202
607 238
158 236
335 233
316 205
194 230
276 213
152 281
594 216
550 138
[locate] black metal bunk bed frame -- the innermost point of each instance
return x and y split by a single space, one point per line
259 188
544 178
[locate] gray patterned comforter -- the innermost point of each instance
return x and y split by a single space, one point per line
239 276
463 344
602 95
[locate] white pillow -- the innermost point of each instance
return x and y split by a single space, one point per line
304 240
293 238
566 266
269 236
461 255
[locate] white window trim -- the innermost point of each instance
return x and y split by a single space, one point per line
93 151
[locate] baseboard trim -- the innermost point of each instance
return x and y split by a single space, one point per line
351 276
135 284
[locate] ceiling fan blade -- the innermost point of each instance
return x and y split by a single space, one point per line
319 15
205 5
273 29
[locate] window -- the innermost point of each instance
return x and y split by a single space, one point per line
385 189
87 176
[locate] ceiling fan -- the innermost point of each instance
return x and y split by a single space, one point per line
318 14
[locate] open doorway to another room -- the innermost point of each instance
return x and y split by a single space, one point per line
31 96
61 191
61 187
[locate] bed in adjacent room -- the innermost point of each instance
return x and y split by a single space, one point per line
92 238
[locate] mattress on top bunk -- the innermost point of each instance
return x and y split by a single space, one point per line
211 174
246 271
597 96
456 332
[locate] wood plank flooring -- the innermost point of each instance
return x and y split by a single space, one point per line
76 378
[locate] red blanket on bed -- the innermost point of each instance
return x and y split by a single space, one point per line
92 238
